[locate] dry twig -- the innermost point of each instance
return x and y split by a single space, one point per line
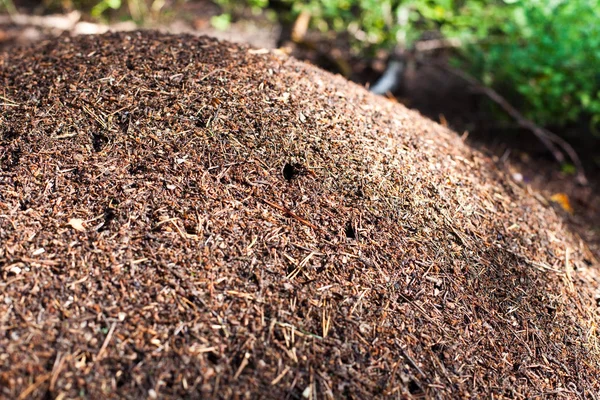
552 141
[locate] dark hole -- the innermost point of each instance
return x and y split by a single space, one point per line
11 160
587 262
129 64
201 123
99 141
413 387
123 121
24 205
278 335
123 379
439 350
291 171
16 157
76 175
138 169
244 274
350 232
212 357
190 230
48 395
321 268
10 135
109 216
192 186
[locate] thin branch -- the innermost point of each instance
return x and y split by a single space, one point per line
289 213
436 44
555 144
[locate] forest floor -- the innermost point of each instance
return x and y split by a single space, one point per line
430 90
184 218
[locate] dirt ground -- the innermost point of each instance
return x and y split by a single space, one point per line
186 218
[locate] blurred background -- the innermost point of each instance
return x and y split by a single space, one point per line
518 79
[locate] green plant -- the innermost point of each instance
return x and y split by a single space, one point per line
139 11
221 22
102 6
540 54
232 7
9 6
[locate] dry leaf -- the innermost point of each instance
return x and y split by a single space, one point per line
563 201
77 224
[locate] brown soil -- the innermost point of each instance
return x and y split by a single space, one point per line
187 218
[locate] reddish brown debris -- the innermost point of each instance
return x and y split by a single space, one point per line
187 218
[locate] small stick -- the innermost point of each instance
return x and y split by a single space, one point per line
303 221
549 139
40 379
243 365
106 341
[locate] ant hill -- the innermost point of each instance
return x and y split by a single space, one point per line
187 218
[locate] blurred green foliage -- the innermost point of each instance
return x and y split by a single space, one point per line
140 11
7 6
102 6
543 55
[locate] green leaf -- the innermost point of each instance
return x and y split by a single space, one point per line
568 168
221 22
